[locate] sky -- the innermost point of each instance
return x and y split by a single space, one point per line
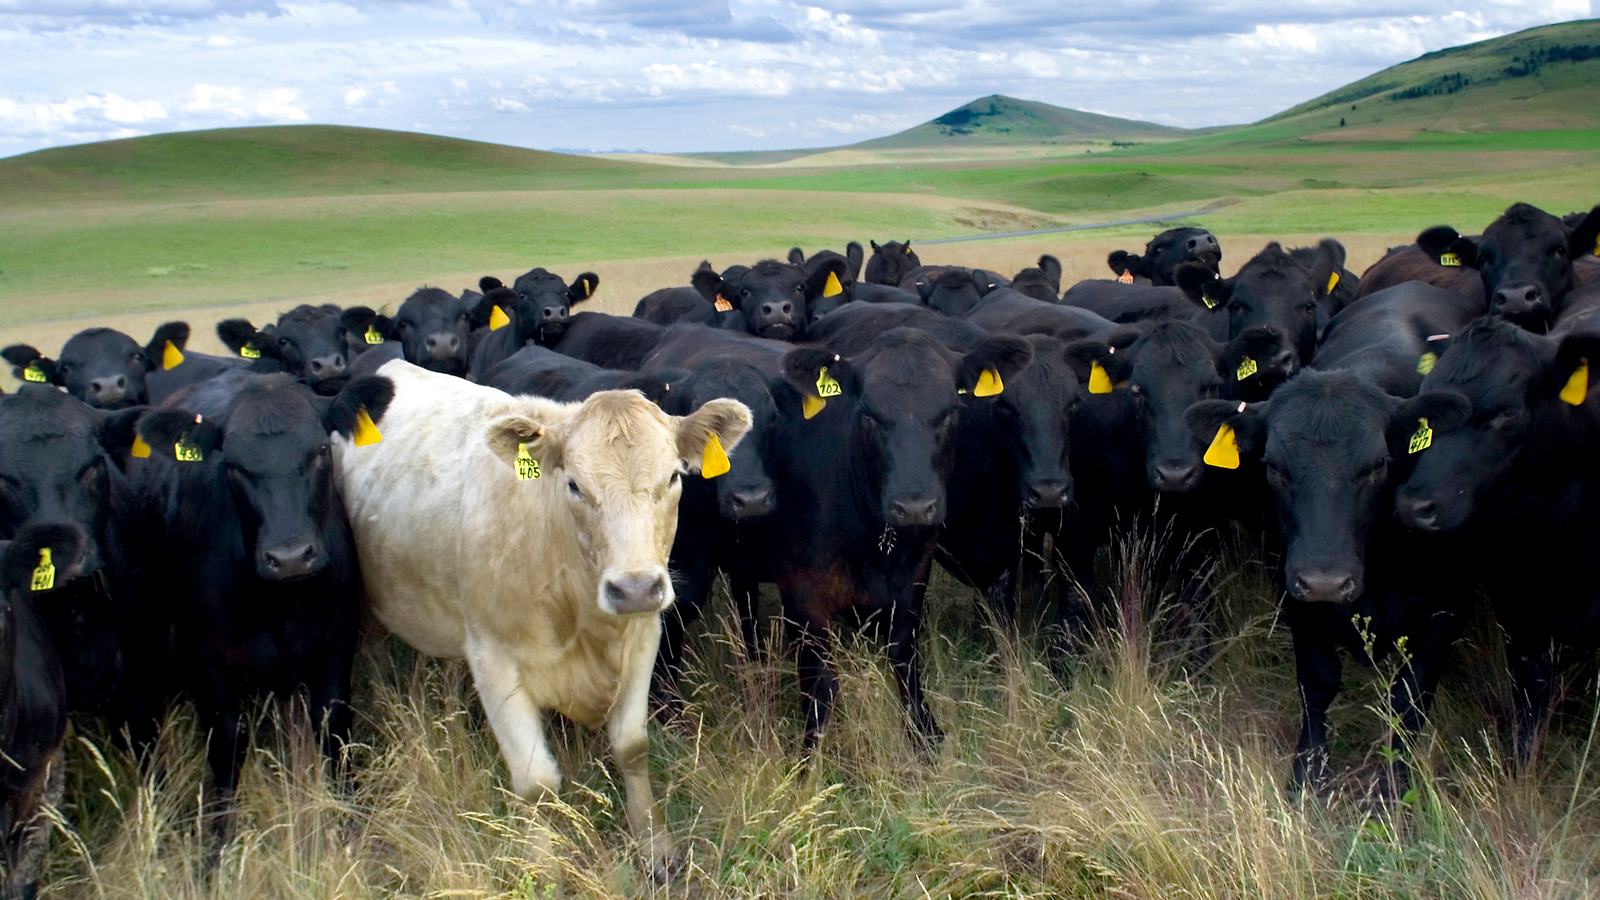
690 75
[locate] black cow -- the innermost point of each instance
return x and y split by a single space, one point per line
57 467
308 342
867 292
611 342
1343 286
1511 430
33 696
1411 263
100 366
861 483
1524 258
435 328
890 263
551 299
776 297
700 302
847 269
1042 282
543 372
852 330
254 549
365 329
952 290
1006 310
1164 253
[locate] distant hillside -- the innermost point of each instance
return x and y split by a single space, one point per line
997 119
287 160
1542 78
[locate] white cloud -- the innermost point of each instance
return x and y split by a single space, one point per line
505 105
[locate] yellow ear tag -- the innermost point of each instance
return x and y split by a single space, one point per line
372 336
714 461
140 449
366 430
832 288
723 305
1421 439
1577 388
171 356
44 577
527 466
1333 282
1425 362
1449 259
249 351
1126 277
33 373
1208 300
1099 380
989 384
810 406
184 451
588 289
1247 367
1224 450
498 319
827 386
1596 250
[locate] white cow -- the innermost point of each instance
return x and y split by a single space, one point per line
549 586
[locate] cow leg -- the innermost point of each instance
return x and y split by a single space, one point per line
1317 670
818 682
905 627
630 748
1532 677
747 602
1000 596
1411 695
695 585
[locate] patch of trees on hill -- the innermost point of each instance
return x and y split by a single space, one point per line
1537 59
1444 84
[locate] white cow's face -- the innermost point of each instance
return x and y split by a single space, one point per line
622 462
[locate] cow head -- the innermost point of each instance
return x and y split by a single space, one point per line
548 301
41 559
433 326
1275 290
898 400
1326 442
890 263
309 342
844 267
620 463
1166 252
1029 421
1525 258
746 491
775 298
100 366
954 291
363 329
1500 426
270 448
1168 367
1042 282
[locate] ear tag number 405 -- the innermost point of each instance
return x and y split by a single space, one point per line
527 466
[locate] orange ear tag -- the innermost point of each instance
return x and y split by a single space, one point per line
498 319
1224 450
989 384
1126 277
723 305
171 356
366 431
713 461
832 288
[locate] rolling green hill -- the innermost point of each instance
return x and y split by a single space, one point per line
998 119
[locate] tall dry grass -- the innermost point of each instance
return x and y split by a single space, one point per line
1145 772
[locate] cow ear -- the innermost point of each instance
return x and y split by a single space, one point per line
797 256
656 386
1122 262
482 313
506 432
1084 355
488 283
119 428
1051 267
1585 237
369 392
830 280
1329 259
855 256
985 367
924 288
803 369
1574 374
1203 286
727 419
1445 246
26 360
874 245
162 429
1257 342
241 337
20 558
175 332
1249 423
706 280
583 287
1444 410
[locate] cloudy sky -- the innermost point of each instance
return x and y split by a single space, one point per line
691 74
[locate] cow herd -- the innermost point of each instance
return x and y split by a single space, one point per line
551 494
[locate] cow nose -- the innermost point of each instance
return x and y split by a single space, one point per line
1176 475
751 503
636 592
777 309
1051 493
554 314
908 511
1323 586
442 346
325 367
294 560
1417 512
108 390
1519 298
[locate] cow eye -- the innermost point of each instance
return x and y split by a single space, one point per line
574 492
1311 306
63 368
1276 470
1559 250
283 342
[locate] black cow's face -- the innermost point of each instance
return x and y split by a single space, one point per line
547 301
433 326
891 263
899 398
746 491
104 368
1035 409
1174 367
54 463
310 342
956 291
1525 259
772 296
1166 252
1492 399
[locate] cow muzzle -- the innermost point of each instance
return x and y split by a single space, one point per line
107 392
637 592
291 560
1325 586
